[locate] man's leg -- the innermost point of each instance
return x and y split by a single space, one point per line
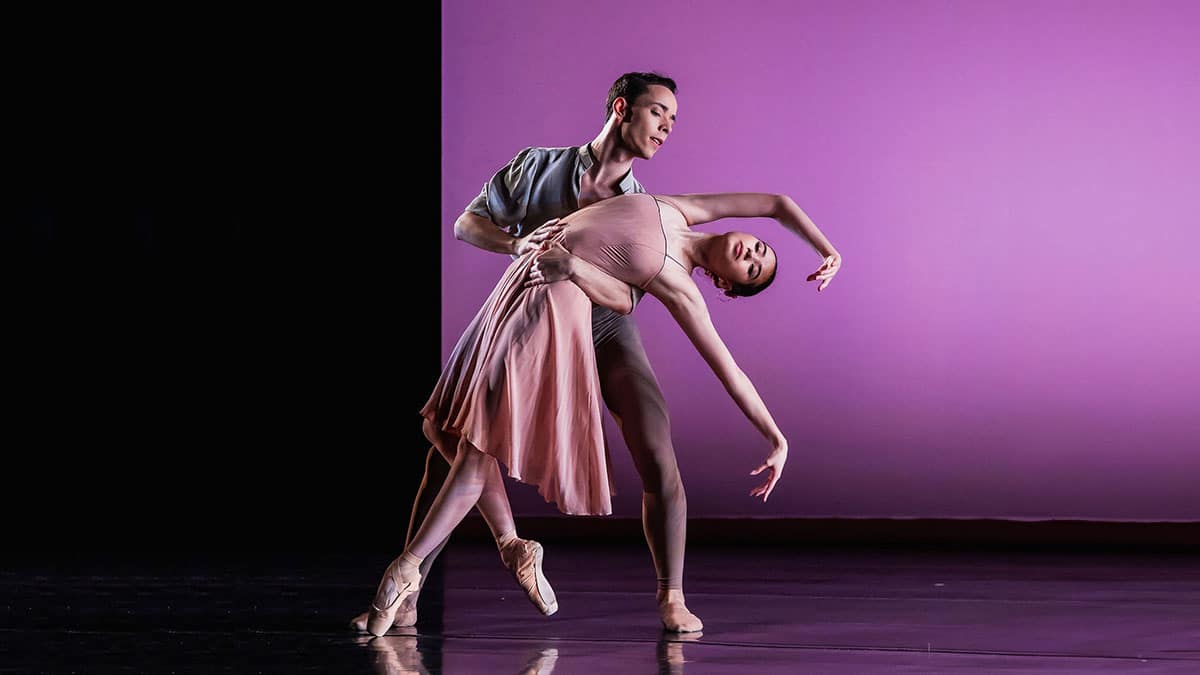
632 394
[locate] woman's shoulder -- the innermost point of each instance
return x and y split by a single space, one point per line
673 285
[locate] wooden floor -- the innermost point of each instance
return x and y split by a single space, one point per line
766 610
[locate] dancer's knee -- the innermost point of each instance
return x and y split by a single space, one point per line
658 470
443 442
431 430
669 499
472 461
669 485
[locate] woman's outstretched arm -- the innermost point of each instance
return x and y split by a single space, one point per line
690 312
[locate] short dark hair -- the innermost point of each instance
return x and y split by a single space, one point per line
632 85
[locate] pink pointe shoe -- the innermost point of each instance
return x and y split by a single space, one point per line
400 580
523 557
406 616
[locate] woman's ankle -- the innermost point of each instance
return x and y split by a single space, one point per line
506 539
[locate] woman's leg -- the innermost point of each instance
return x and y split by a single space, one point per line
522 557
402 578
493 500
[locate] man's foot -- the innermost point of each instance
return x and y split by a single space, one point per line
406 616
523 557
674 613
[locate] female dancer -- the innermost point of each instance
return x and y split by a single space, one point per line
521 389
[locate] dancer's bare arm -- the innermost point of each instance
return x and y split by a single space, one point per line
556 263
687 306
483 233
707 207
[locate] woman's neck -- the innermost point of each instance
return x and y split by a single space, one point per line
696 248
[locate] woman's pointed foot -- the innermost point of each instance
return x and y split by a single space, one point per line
523 557
401 579
406 616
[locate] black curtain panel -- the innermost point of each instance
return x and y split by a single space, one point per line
211 318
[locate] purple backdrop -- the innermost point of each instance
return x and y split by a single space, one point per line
1013 187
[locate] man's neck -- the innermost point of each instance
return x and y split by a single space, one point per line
611 161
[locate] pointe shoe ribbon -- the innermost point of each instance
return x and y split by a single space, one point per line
405 580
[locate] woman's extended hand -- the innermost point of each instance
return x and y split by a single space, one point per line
773 465
825 272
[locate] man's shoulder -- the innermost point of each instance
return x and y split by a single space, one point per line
548 152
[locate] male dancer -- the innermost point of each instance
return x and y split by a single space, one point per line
538 185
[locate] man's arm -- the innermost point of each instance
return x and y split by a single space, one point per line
483 233
502 205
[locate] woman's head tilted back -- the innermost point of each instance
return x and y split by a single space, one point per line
741 264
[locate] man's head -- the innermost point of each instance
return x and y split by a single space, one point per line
644 107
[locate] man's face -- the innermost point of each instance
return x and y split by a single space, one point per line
648 121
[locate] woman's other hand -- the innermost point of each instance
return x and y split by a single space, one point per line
548 231
552 263
774 468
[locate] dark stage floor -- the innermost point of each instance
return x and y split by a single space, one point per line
765 611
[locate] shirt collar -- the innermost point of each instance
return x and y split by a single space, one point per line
586 160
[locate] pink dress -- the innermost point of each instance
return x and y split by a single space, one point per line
521 384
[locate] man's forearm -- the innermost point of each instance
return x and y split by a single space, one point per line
483 233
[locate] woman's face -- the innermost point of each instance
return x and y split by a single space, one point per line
742 258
